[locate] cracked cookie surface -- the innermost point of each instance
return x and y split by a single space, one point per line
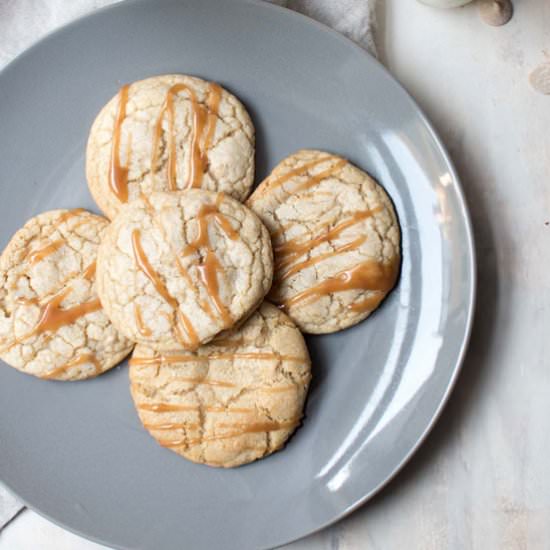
52 324
335 236
175 269
168 133
231 402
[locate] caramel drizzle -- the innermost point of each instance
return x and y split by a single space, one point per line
188 329
223 384
321 257
369 275
208 272
144 265
171 426
245 427
201 119
165 359
205 305
281 231
167 407
318 178
36 256
22 301
142 328
52 317
213 103
300 171
89 272
202 239
174 359
199 381
79 360
170 407
78 224
40 254
68 215
153 276
228 342
160 227
291 250
232 410
208 309
258 356
202 381
258 427
119 174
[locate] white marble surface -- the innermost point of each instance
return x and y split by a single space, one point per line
481 480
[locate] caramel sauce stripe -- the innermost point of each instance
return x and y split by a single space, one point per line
318 178
369 275
66 216
170 359
79 360
143 329
37 255
296 268
174 407
160 227
178 359
89 272
204 120
279 180
178 316
52 316
260 427
291 250
228 343
202 240
208 272
223 384
183 271
209 269
118 180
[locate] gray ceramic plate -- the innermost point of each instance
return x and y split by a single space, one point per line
76 452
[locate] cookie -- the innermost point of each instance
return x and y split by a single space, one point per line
52 324
169 133
175 269
336 240
230 402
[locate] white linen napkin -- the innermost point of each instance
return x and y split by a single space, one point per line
355 19
25 21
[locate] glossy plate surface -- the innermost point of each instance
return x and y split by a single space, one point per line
75 452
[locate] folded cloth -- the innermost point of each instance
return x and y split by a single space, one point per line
9 507
353 18
24 21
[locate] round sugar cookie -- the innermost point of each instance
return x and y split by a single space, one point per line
52 324
175 269
231 402
169 133
336 240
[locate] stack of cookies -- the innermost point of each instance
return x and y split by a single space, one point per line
211 291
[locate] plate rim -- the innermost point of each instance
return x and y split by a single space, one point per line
465 218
